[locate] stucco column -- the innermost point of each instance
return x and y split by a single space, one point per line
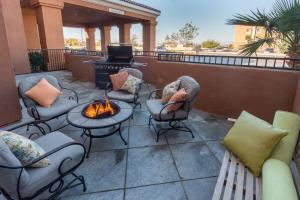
105 37
11 16
90 39
124 33
49 19
31 28
149 36
9 102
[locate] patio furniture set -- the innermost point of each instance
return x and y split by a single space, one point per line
255 165
62 154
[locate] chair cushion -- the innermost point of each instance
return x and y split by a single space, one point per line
40 177
24 149
133 72
285 149
119 79
154 107
31 81
43 93
277 181
169 90
131 84
60 106
9 177
252 141
121 95
181 95
192 88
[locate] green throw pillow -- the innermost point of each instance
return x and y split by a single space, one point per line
24 149
252 141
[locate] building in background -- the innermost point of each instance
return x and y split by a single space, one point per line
246 34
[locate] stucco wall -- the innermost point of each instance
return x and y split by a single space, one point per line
79 68
297 99
31 28
228 90
9 103
17 47
225 90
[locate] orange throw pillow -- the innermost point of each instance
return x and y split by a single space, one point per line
180 95
43 93
119 79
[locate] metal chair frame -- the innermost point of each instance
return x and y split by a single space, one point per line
56 187
174 123
37 119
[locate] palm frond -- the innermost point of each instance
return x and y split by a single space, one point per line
257 18
288 14
251 48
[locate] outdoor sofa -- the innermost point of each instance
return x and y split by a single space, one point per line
276 182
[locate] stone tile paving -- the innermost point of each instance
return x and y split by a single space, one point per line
178 167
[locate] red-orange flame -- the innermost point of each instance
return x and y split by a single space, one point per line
97 109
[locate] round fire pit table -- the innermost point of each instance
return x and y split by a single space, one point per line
77 119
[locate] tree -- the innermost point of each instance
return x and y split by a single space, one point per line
210 44
187 34
134 40
230 46
72 42
282 24
171 40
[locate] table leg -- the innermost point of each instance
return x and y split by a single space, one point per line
83 133
90 144
120 133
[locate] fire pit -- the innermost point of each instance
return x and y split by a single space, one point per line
100 114
100 109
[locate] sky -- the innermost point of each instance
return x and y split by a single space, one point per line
209 15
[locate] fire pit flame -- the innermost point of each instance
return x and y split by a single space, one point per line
100 109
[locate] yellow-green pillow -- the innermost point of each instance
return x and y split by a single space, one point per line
252 141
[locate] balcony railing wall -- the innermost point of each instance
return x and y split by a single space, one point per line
54 59
285 63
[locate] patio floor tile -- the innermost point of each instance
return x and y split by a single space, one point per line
103 171
108 143
210 130
175 137
142 136
169 191
217 148
150 165
111 195
194 160
140 118
200 189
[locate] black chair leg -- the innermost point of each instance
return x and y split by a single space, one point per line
173 125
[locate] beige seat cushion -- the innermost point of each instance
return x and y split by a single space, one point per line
43 93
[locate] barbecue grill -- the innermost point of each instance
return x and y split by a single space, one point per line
118 57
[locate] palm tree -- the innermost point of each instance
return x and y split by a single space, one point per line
282 24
